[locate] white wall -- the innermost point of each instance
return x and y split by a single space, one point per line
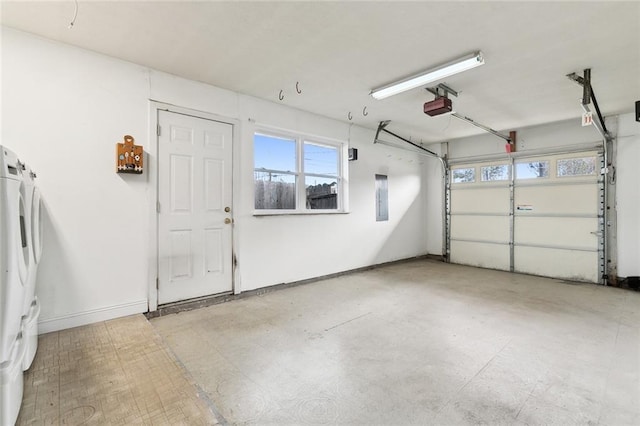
276 249
434 186
552 135
63 110
628 196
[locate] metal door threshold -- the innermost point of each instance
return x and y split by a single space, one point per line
190 304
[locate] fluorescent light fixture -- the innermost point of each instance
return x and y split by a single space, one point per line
454 67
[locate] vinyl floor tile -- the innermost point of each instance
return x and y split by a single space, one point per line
117 372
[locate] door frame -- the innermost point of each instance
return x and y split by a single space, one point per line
153 170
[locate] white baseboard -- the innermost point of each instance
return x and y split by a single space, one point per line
89 317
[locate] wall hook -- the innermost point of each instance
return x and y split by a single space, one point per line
281 95
364 111
75 15
298 89
350 116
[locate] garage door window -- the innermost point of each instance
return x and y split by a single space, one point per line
463 175
494 173
577 166
532 170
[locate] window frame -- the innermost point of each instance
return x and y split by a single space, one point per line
572 176
502 165
300 176
475 174
532 178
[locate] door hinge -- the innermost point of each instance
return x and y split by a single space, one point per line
157 283
159 130
158 207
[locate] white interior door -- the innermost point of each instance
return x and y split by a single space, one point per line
194 218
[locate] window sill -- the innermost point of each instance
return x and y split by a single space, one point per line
258 213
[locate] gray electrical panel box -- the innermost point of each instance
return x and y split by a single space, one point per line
382 198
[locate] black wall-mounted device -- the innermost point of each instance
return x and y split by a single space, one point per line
353 154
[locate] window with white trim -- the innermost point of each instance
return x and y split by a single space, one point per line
274 172
297 174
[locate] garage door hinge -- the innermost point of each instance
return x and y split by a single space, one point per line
159 130
158 207
157 283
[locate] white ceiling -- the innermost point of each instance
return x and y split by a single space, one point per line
339 51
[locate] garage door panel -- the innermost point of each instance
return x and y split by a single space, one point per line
557 231
484 200
486 228
492 256
571 265
551 215
567 199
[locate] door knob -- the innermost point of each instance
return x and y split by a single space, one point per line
227 220
227 209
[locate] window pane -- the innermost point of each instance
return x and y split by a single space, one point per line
274 153
491 173
533 170
463 175
274 191
320 159
577 166
322 193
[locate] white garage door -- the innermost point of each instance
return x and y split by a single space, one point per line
480 215
541 215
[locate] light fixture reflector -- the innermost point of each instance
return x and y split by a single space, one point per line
454 67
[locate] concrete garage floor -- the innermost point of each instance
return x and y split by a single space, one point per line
420 342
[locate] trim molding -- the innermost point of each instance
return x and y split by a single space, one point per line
88 317
201 302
